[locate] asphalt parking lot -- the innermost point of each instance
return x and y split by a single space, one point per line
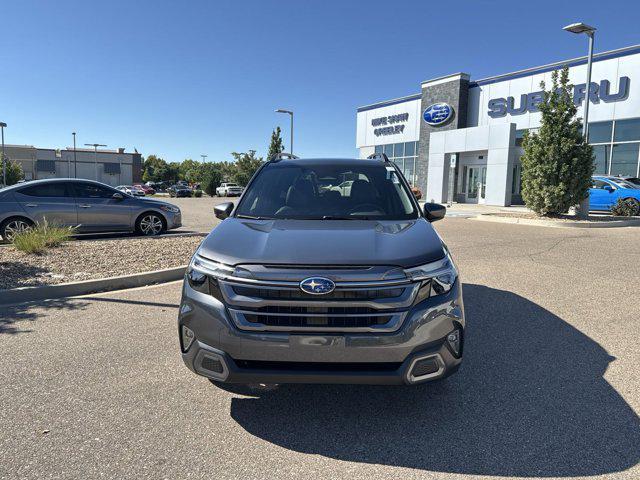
94 387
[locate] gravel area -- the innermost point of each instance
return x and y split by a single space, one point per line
90 259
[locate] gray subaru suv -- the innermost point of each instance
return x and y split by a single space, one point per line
327 271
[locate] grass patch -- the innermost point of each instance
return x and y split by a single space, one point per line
41 237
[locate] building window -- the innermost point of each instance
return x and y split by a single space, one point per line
600 132
627 130
519 137
624 159
601 154
516 181
112 168
46 166
404 155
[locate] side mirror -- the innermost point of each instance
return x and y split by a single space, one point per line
223 210
117 196
434 211
608 188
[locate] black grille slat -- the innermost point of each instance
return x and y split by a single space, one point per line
318 321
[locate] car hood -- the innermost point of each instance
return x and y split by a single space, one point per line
323 242
152 202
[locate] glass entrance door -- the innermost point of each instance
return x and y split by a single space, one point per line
476 184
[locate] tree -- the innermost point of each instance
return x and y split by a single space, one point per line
191 171
212 180
14 172
557 163
246 165
154 169
276 143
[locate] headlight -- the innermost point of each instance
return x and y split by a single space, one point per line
437 277
209 267
169 208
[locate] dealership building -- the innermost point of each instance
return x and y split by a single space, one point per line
461 139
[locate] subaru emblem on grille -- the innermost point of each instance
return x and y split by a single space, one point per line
317 285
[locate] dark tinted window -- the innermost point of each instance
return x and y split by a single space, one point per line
600 132
91 190
627 130
312 191
54 189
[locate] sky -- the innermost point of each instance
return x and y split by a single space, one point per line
183 78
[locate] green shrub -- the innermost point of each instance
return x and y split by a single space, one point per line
197 193
626 207
212 181
41 237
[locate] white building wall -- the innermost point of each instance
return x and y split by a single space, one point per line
365 131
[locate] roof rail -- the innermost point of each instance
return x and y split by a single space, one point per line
276 157
379 156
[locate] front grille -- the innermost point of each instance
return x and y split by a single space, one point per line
337 322
339 294
368 299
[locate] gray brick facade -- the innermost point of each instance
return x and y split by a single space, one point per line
456 94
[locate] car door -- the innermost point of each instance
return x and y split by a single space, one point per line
52 202
602 195
99 210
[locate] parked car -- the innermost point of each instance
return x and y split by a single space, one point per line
131 190
302 285
633 180
145 188
228 190
179 191
606 191
90 206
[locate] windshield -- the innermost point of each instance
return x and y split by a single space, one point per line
315 191
623 183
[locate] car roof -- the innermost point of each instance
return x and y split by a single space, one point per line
54 180
329 161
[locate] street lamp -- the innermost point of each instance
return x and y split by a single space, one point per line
4 162
590 31
204 157
75 160
289 112
95 155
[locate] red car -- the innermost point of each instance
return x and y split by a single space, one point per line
145 188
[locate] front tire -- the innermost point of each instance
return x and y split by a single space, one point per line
150 224
13 226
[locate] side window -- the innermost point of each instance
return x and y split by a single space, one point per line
90 190
600 184
51 190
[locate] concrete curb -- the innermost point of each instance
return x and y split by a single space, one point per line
557 223
46 292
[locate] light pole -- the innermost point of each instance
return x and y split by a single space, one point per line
204 157
4 162
75 160
95 155
290 113
590 31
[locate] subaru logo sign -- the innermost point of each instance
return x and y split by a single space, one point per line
437 114
317 285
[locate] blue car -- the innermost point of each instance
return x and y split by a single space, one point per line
606 191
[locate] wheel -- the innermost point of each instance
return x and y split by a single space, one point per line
635 204
12 226
150 224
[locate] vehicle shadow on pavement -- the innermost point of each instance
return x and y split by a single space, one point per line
529 400
14 318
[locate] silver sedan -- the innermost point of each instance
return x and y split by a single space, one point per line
88 206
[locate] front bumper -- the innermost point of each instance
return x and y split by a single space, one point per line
300 357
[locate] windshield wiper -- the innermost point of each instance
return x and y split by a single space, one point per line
338 217
251 217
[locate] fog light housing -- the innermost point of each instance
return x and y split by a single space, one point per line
454 342
187 337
